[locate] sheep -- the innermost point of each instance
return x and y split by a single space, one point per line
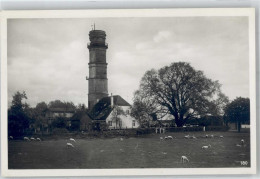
238 145
194 137
221 136
11 137
170 137
161 138
70 145
242 141
121 139
165 137
206 146
38 139
206 135
32 138
212 136
26 138
73 140
187 136
184 159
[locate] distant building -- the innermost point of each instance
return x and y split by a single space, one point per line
60 112
65 113
103 113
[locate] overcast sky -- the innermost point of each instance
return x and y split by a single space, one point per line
48 58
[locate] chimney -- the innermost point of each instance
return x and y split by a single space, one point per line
112 100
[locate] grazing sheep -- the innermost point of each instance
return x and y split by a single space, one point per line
206 135
161 138
32 138
238 145
26 138
221 136
170 137
38 139
70 145
184 159
11 137
242 141
194 137
187 136
206 146
165 137
73 140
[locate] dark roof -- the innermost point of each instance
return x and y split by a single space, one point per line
118 100
65 110
102 109
80 114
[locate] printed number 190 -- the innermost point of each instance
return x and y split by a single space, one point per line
243 162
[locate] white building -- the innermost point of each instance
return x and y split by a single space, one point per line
115 112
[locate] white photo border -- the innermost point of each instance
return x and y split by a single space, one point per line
194 12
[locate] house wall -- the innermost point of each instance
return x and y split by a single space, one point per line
127 120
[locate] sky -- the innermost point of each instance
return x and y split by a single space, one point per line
48 58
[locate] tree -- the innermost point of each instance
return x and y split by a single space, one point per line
117 111
18 119
59 122
181 91
238 111
60 104
40 116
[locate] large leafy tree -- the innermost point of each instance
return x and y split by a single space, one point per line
181 91
18 118
238 111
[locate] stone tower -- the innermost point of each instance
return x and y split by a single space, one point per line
97 82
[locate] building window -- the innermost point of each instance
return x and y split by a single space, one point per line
110 123
133 123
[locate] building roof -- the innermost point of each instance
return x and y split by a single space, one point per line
78 115
102 109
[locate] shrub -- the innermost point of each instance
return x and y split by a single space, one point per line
57 131
217 128
142 131
184 129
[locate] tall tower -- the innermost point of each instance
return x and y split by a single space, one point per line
97 82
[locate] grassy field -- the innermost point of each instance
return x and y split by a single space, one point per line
140 152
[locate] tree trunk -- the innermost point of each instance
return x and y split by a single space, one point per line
239 126
179 122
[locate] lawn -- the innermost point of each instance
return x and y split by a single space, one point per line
140 152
